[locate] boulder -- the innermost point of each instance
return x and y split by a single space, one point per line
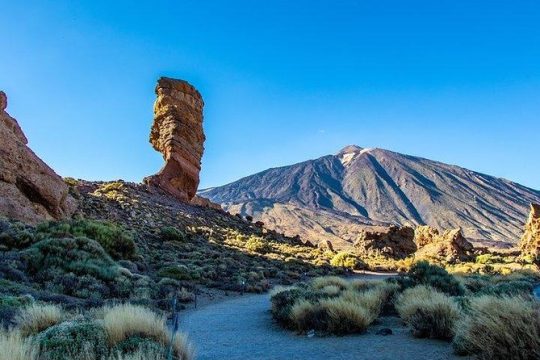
30 191
177 133
204 202
325 245
530 241
395 242
450 246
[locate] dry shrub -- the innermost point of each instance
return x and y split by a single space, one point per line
36 318
306 315
322 282
345 317
122 321
430 313
13 346
331 290
500 328
182 347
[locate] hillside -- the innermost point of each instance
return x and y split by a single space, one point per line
336 196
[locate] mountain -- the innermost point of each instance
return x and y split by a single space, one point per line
336 196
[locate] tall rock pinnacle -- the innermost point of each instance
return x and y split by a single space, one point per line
177 133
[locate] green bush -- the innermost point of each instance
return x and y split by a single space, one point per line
73 340
118 242
423 273
488 259
510 288
170 233
16 236
347 260
258 245
134 343
178 272
80 256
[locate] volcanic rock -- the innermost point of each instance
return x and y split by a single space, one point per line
30 190
204 202
394 241
530 241
177 133
451 245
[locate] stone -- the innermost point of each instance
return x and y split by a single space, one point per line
30 191
178 134
395 242
325 245
530 241
384 332
204 202
451 245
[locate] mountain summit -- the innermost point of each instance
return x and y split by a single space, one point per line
335 197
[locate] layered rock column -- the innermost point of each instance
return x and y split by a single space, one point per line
30 190
177 133
530 241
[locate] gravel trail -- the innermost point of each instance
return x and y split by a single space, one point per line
242 328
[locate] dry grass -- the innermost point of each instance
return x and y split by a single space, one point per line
331 290
429 312
342 308
322 282
36 318
500 328
182 347
122 321
345 317
14 346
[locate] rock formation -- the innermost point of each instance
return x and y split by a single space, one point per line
177 133
530 241
204 202
394 242
451 245
30 190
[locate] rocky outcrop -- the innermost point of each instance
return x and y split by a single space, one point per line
177 133
530 241
30 190
204 202
450 246
393 242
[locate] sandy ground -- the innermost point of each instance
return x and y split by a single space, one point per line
242 328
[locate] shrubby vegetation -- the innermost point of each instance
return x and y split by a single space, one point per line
486 316
47 332
331 305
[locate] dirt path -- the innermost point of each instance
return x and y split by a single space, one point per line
242 328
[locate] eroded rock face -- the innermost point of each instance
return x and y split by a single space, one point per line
530 241
395 242
30 190
177 133
451 245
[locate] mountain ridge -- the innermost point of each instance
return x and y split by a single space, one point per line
376 187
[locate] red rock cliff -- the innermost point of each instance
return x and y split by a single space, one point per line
30 190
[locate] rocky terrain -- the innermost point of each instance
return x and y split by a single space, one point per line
29 189
336 197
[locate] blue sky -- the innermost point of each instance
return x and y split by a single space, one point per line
283 81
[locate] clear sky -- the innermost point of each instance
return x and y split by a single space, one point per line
283 81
